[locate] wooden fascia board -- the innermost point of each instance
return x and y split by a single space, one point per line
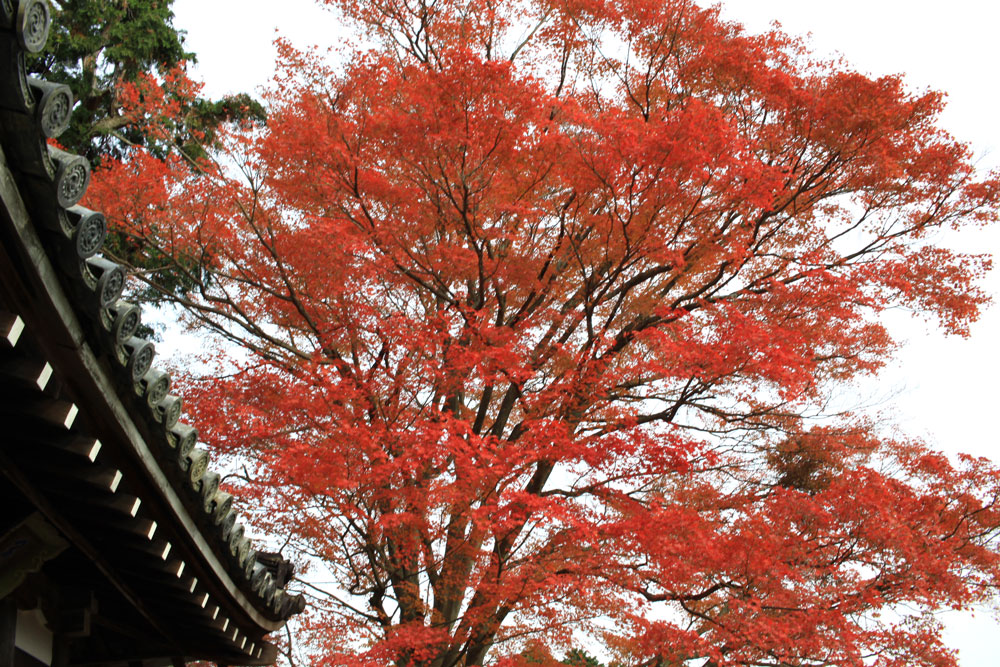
78 362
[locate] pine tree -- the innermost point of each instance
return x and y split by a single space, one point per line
97 46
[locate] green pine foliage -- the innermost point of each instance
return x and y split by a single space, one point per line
96 46
576 657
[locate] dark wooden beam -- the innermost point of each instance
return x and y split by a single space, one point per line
73 535
8 626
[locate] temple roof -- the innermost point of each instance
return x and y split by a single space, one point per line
97 445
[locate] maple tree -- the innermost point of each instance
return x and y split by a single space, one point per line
542 305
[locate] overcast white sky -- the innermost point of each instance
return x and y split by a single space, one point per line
943 387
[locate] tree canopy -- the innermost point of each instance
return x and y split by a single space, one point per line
542 308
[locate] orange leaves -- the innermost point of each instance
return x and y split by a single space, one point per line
156 107
782 573
541 307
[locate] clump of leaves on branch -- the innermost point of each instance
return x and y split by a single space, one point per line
543 302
